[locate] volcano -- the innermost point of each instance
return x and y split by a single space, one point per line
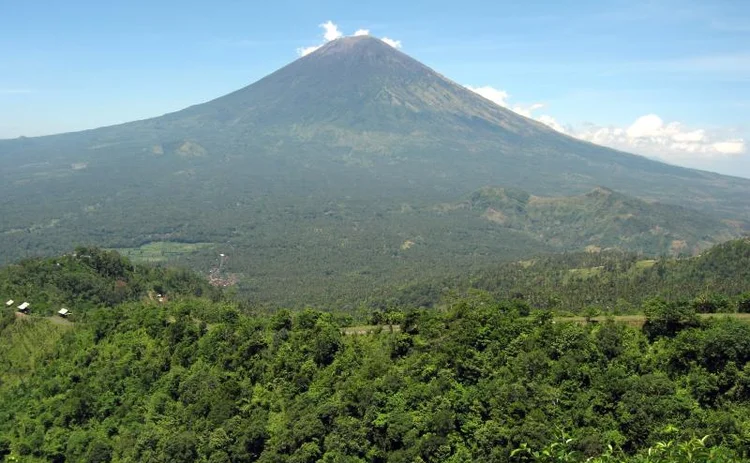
359 102
354 136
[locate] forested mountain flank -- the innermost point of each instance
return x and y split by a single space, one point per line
352 168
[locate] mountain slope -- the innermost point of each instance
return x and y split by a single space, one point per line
359 103
319 173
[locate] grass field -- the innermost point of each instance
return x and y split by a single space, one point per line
161 251
647 263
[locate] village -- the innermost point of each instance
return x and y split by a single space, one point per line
218 277
24 309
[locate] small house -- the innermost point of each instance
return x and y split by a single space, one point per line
63 312
24 308
9 303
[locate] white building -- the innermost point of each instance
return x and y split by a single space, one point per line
63 312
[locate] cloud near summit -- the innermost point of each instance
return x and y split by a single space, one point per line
648 135
332 32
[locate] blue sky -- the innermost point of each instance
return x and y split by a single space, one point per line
669 79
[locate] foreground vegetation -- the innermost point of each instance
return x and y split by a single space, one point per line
197 377
195 380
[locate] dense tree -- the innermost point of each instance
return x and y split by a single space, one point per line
478 379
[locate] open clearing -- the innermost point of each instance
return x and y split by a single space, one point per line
161 251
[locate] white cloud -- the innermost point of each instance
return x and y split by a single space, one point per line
528 110
332 31
648 135
500 98
690 137
551 122
536 106
649 125
391 42
496 96
304 51
651 136
730 147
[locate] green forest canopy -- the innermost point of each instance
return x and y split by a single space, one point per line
199 378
